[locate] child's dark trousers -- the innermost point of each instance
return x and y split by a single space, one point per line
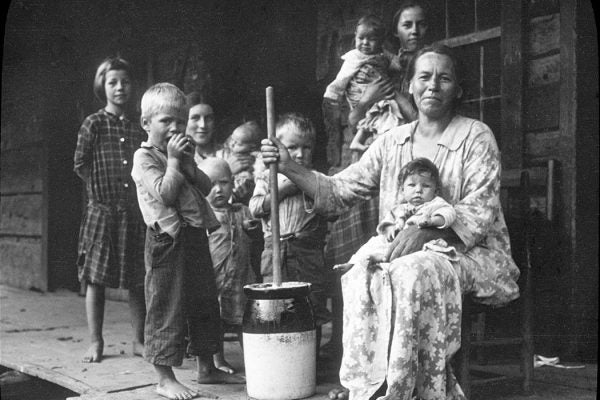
181 297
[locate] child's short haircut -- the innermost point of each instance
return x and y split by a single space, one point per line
375 23
300 122
420 166
109 64
210 164
251 127
161 96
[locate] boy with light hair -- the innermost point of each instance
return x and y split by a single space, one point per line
181 295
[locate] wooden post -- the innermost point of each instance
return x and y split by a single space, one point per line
511 50
274 191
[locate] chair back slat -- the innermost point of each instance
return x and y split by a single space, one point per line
542 177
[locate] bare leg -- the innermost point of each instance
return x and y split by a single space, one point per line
94 307
240 336
169 387
137 308
206 370
221 363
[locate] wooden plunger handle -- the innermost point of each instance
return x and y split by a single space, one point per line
274 191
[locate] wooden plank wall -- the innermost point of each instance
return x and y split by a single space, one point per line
22 222
541 112
23 175
541 108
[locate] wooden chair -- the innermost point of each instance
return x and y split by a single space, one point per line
516 188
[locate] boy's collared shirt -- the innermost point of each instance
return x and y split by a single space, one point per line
161 206
296 215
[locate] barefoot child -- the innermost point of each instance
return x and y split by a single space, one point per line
181 296
110 251
241 152
302 231
420 205
229 250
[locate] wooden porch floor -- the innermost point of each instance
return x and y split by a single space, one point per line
45 335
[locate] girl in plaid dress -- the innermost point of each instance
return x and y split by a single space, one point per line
111 236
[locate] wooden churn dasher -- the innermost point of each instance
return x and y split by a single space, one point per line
278 331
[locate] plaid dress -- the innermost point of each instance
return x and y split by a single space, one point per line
354 227
112 231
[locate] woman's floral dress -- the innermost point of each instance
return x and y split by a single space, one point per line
402 320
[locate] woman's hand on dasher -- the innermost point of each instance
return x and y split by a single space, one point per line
273 151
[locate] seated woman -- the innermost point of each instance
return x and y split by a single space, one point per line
402 319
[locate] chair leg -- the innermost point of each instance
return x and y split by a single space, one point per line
480 335
464 353
527 324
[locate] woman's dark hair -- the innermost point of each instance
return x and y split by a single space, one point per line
443 50
438 49
195 98
375 23
423 5
109 64
420 166
405 5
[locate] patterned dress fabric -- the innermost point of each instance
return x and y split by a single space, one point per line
347 85
386 114
402 320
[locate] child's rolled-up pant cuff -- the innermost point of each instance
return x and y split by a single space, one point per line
170 356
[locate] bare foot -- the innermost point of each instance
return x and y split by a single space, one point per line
172 389
222 364
137 348
94 352
212 376
338 394
218 376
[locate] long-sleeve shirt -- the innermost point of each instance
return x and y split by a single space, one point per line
404 210
469 163
295 212
166 198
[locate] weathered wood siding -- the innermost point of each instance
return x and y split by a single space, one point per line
22 214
